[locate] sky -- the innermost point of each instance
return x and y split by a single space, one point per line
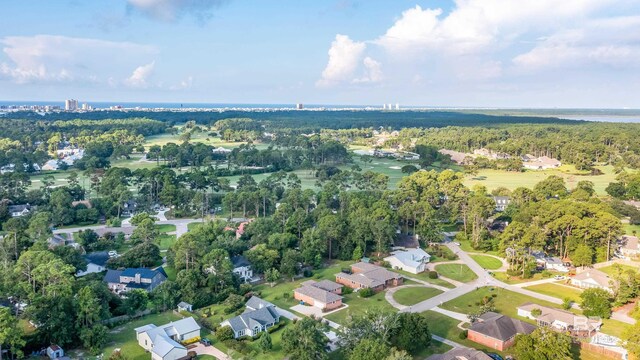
458 53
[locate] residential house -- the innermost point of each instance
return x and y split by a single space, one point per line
461 354
540 163
57 240
592 278
555 263
410 260
50 165
120 281
369 276
497 331
96 262
185 306
242 268
501 202
222 151
55 352
129 208
456 156
630 247
258 316
19 210
164 342
324 294
560 320
126 231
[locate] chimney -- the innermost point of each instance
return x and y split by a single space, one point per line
137 278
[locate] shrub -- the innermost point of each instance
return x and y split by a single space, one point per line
463 334
536 312
286 295
567 303
432 274
365 293
546 274
307 273
224 333
192 355
346 290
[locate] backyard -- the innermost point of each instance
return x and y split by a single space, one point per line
557 290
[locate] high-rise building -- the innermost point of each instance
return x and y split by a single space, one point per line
71 105
299 106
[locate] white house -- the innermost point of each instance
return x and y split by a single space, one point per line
55 352
242 267
96 263
560 320
164 341
257 317
410 260
593 278
501 202
555 263
19 210
50 165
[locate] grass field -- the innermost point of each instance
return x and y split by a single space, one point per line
613 269
558 291
165 228
505 301
413 295
505 278
631 229
164 241
459 272
424 277
496 178
358 306
487 262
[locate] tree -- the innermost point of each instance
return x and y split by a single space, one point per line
265 342
166 295
543 344
289 263
224 333
396 354
582 256
596 302
262 258
272 276
135 301
412 332
94 338
631 335
370 349
10 334
304 340
117 355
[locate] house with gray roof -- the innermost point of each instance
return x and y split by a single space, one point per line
120 281
19 210
410 260
592 278
461 354
96 262
258 316
165 342
369 276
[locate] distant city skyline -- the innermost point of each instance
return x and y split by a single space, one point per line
436 53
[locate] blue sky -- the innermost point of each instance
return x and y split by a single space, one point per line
502 53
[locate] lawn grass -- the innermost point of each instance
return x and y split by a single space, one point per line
164 241
505 301
558 291
487 262
499 178
459 272
615 268
358 306
165 228
171 272
193 225
613 327
630 229
413 295
424 276
445 254
511 280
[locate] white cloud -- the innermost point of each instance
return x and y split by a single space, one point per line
140 76
171 10
50 58
184 84
344 58
372 71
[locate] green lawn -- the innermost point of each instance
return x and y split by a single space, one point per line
165 228
459 272
613 327
358 306
508 279
165 241
505 301
631 229
425 277
558 291
613 269
487 262
445 254
413 295
498 178
193 225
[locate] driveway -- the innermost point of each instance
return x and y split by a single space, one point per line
210 350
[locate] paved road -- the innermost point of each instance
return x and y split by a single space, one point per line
448 342
452 314
210 350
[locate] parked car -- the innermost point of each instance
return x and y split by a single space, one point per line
558 277
205 342
494 356
457 243
113 253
